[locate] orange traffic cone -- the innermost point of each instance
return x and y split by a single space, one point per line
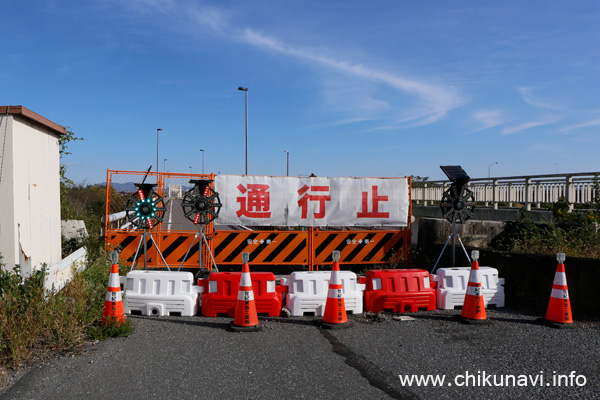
559 309
245 318
473 310
113 305
334 316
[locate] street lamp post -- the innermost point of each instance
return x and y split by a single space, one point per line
202 150
288 162
490 169
245 90
165 165
158 130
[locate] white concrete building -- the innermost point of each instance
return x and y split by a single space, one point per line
29 189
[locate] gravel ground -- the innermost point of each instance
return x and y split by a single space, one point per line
196 357
513 344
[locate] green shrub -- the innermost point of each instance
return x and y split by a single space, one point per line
569 232
34 320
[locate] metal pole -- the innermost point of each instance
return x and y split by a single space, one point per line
145 250
246 96
453 244
245 90
200 257
490 169
158 130
288 162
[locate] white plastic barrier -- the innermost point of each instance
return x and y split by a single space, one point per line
452 286
307 292
160 293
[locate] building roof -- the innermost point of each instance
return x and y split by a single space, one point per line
34 117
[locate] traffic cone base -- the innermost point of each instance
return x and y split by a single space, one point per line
470 321
337 325
235 328
558 325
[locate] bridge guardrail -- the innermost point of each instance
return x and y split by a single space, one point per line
528 190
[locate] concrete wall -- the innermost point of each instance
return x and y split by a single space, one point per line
482 213
528 277
472 233
30 195
61 273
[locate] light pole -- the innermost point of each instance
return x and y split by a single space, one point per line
245 90
490 169
165 165
202 150
288 162
158 130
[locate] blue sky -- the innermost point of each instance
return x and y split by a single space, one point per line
350 88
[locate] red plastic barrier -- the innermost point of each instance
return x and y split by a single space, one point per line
221 292
399 290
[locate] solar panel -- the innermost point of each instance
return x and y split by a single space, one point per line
455 173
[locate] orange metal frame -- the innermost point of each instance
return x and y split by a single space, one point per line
312 247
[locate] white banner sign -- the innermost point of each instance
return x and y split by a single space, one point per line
313 201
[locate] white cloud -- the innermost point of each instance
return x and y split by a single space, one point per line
526 95
595 122
432 102
488 119
528 125
438 100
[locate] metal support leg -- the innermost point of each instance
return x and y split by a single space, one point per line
463 247
159 253
135 257
210 253
188 252
453 245
144 240
145 250
453 236
201 241
441 253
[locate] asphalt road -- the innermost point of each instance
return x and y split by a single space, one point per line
291 358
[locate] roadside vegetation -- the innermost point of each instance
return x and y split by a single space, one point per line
37 324
573 232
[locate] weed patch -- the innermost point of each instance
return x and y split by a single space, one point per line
35 321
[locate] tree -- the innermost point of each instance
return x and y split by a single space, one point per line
65 182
